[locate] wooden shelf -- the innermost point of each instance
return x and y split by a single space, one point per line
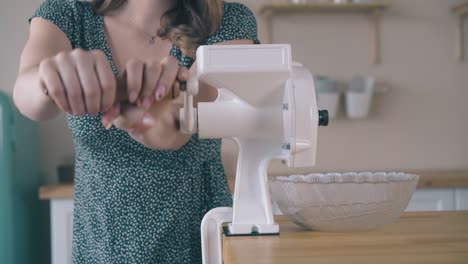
461 11
374 9
324 7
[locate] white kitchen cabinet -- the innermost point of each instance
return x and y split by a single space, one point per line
62 229
444 199
432 200
461 199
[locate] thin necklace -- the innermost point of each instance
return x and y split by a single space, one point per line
151 41
152 38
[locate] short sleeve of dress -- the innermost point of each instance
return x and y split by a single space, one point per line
62 13
238 22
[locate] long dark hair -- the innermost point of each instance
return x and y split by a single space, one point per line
188 24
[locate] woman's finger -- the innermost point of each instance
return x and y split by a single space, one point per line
134 71
183 74
109 116
170 68
89 82
151 76
130 117
52 83
106 81
71 84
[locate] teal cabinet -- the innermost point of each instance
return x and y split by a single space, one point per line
24 229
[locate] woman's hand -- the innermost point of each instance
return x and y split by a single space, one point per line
79 82
157 128
148 119
146 83
150 81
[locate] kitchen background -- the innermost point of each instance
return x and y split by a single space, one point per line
419 123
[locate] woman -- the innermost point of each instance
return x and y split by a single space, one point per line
141 187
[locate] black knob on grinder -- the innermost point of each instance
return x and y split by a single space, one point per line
323 118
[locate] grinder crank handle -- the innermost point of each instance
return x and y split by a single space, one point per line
121 90
122 95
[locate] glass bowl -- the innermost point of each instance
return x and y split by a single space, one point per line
343 202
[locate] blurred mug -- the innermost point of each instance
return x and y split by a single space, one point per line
328 96
359 97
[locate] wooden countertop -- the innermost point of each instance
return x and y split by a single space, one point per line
423 237
59 191
428 179
442 179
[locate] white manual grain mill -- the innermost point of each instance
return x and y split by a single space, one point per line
266 104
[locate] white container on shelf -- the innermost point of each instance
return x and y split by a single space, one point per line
328 96
359 97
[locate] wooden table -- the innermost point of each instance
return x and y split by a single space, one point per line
423 237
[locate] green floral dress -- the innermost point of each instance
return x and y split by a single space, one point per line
134 204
